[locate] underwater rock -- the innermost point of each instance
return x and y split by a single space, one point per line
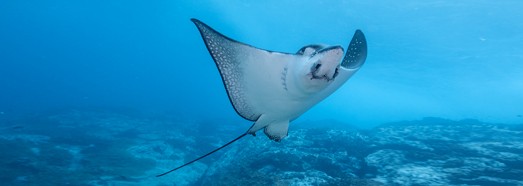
431 151
443 152
89 148
306 157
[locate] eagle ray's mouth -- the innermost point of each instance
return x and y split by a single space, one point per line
324 76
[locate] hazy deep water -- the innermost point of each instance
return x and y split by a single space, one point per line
113 92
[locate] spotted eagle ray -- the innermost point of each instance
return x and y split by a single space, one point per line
271 88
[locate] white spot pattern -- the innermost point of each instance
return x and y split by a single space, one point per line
226 53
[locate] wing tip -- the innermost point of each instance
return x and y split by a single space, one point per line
356 52
194 20
199 23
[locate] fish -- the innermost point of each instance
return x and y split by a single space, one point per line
273 88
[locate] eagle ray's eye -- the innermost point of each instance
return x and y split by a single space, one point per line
317 66
335 73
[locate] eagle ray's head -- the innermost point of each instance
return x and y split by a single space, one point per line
321 66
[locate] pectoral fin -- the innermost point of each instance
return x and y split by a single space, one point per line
277 130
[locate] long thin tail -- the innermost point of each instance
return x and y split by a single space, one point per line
217 149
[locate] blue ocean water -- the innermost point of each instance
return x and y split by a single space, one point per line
106 70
